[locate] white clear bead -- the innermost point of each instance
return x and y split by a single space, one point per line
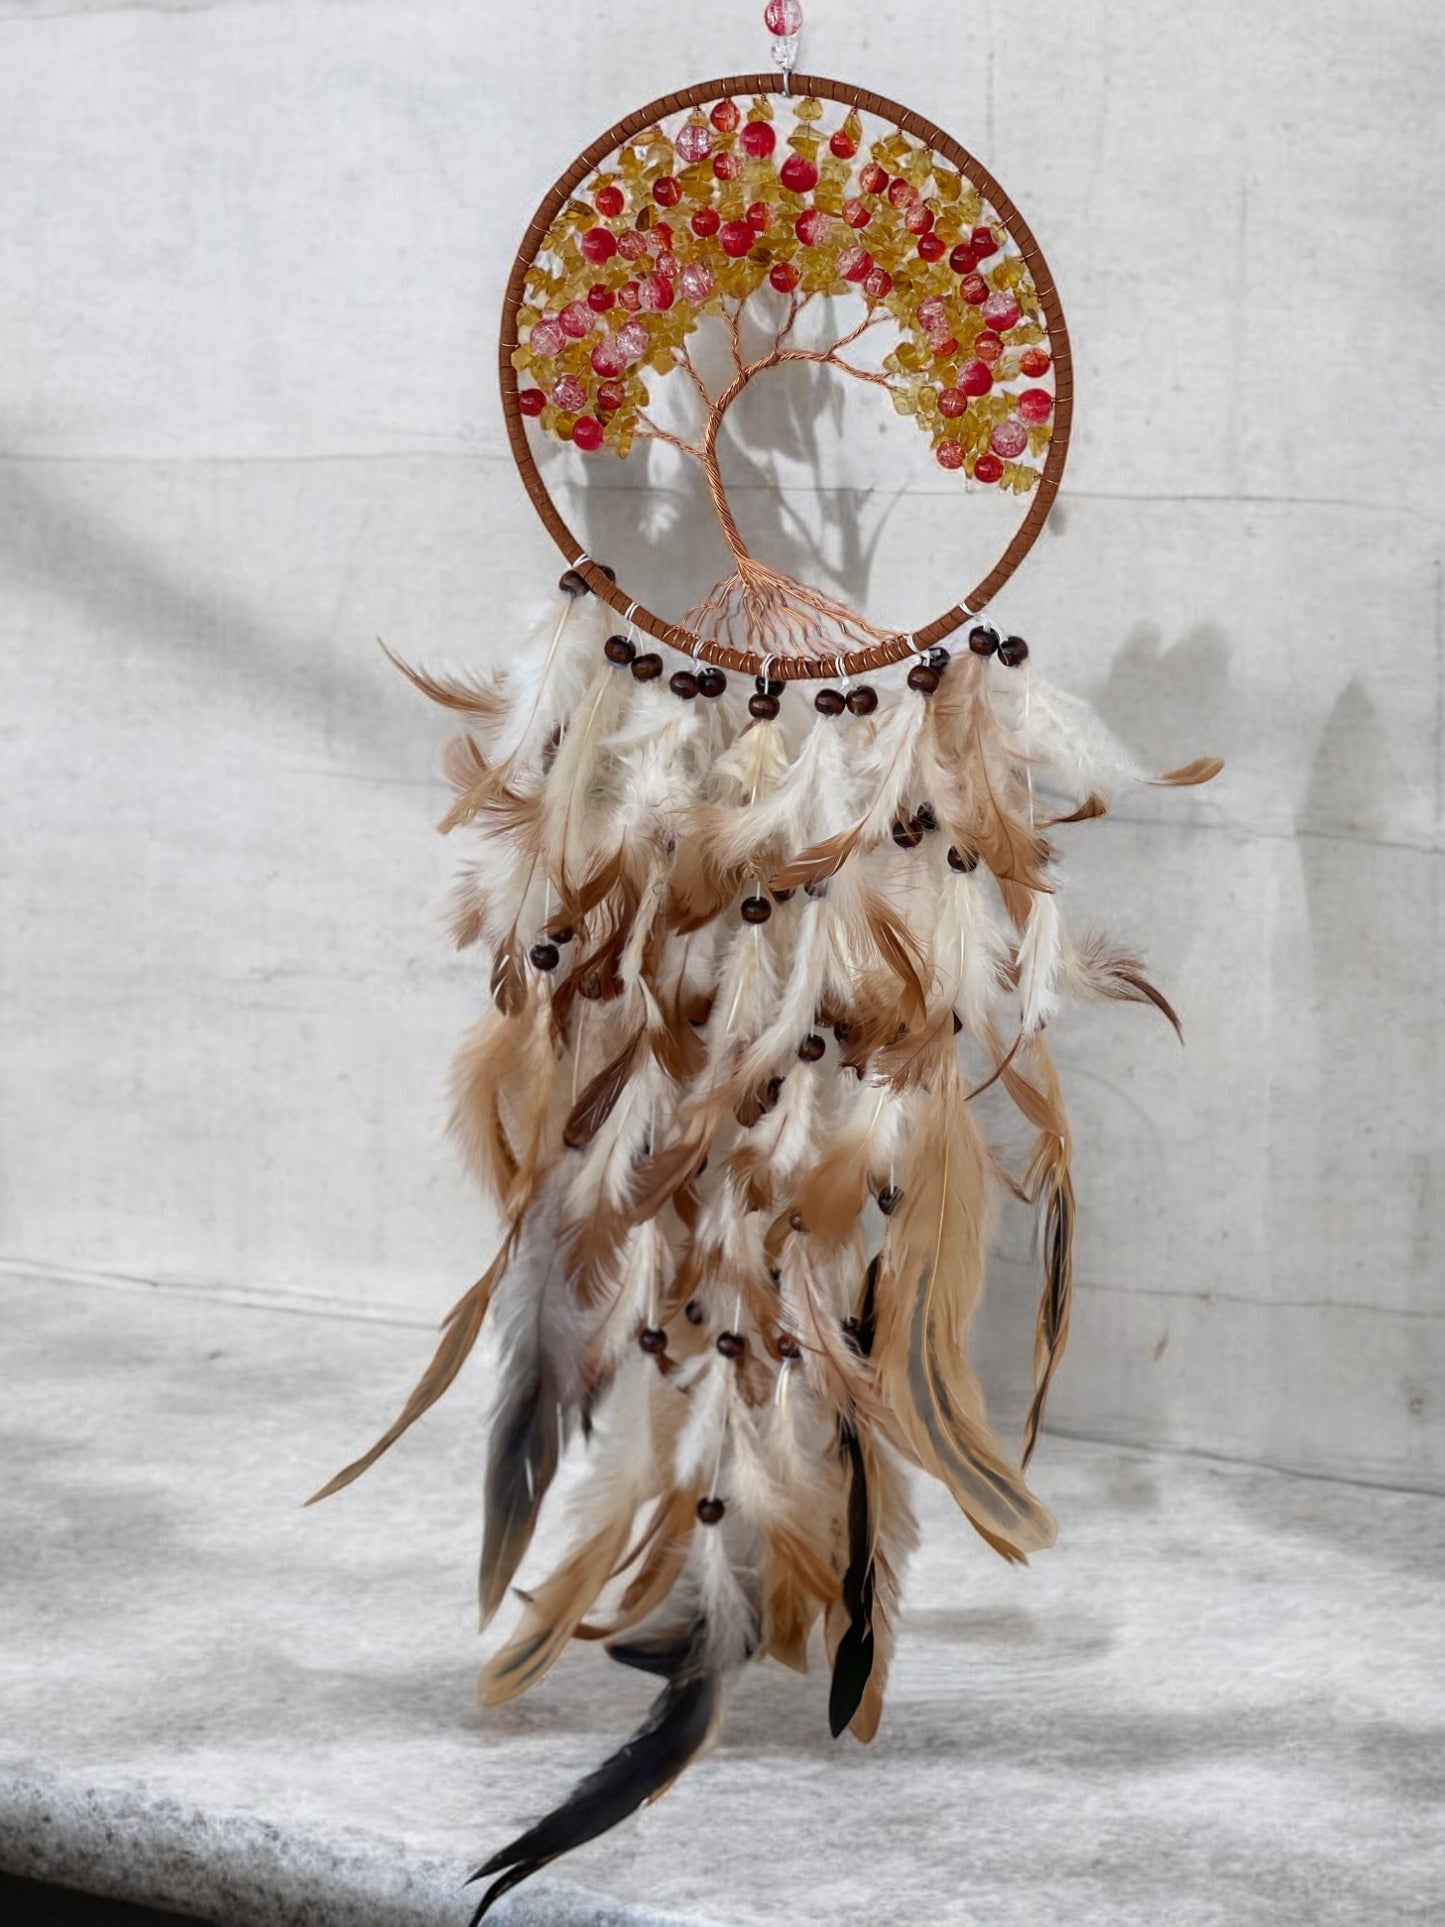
785 51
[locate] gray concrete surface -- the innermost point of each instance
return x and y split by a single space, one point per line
1219 1702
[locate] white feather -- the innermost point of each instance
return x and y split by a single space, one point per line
1039 957
1047 726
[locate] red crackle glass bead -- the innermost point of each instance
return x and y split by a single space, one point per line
627 296
1036 405
983 243
784 277
737 237
855 264
725 116
760 217
988 348
667 191
933 312
1009 439
930 247
974 290
799 175
655 293
1001 311
598 244
1034 362
878 285
634 338
952 402
600 298
577 320
570 394
842 146
668 264
609 357
758 139
813 227
919 219
727 166
547 338
987 468
587 433
632 245
531 401
857 212
706 222
944 347
610 396
609 202
873 179
949 454
693 141
903 193
661 236
697 281
963 260
975 378
783 16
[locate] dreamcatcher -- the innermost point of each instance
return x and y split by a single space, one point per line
768 900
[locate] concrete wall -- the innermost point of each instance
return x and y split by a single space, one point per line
250 262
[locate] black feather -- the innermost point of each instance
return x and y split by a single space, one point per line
853 1661
676 1728
521 1462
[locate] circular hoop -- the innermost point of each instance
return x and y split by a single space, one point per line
791 668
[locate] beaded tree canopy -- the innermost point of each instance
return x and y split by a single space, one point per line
732 205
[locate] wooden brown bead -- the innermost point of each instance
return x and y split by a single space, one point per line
811 1048
619 649
817 888
591 986
962 860
775 1090
647 668
684 684
925 819
710 1510
842 1030
1012 651
983 639
775 1273
652 1340
731 1344
693 1312
830 702
546 956
907 835
888 1199
711 683
756 910
783 896
767 686
762 708
572 582
939 657
862 701
923 678
788 1346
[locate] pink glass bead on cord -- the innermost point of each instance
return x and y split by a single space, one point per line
783 17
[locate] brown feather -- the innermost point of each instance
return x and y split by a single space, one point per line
471 697
1203 769
597 1102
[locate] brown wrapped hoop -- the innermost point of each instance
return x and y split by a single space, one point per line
792 668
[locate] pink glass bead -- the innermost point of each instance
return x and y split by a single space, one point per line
727 166
987 468
759 139
944 347
783 16
600 298
1034 362
696 280
632 245
667 191
903 193
933 313
949 455
857 212
1001 311
799 175
634 338
983 243
975 378
918 219
706 222
760 217
930 247
598 244
736 238
627 297
855 264
784 277
609 202
654 292
873 178
725 116
963 260
577 320
570 394
1036 405
531 401
974 290
661 236
813 227
693 141
842 146
988 348
609 357
610 396
1009 439
587 433
878 285
952 402
668 264
547 339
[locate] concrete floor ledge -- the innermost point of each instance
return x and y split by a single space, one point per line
1220 1701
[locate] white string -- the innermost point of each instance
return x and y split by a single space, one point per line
1029 764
